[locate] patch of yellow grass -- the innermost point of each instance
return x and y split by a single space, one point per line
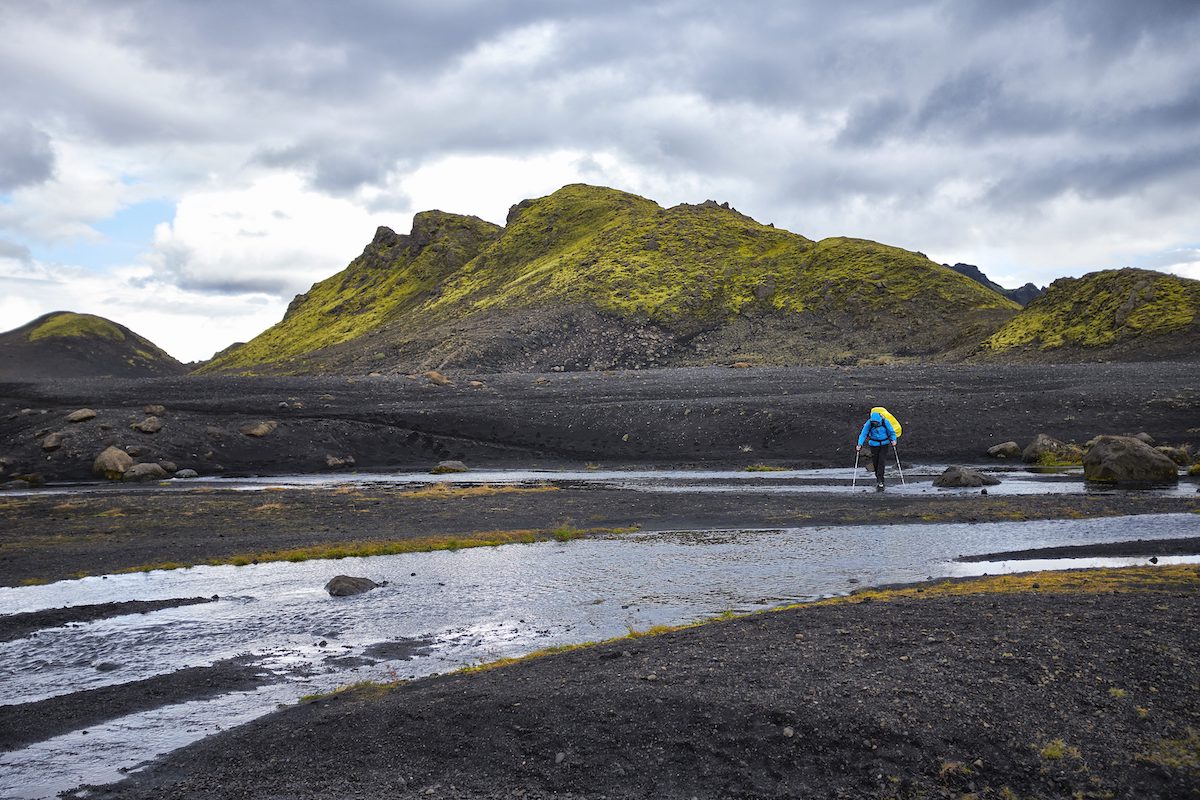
445 491
269 507
112 512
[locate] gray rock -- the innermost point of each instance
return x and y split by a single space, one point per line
82 415
169 466
145 472
187 473
445 467
112 463
1126 459
1005 450
1048 450
1144 437
154 409
53 441
345 585
148 425
963 476
258 429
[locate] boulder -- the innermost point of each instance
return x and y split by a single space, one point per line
1144 437
333 462
1048 451
112 463
53 441
963 476
344 585
445 467
148 425
437 378
1180 455
1005 450
1125 459
258 429
145 472
154 409
169 466
187 473
82 415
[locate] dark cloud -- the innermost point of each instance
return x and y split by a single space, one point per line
14 251
26 156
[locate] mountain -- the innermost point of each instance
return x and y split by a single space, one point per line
1022 296
594 278
63 344
1126 314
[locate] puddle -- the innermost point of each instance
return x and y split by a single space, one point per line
458 608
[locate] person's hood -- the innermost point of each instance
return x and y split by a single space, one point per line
876 416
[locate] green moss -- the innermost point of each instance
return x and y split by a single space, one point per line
1102 309
682 267
69 324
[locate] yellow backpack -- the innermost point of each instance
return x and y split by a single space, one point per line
883 412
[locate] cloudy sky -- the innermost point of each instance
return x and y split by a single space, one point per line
185 168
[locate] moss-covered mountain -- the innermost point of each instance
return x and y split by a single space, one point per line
63 344
1113 314
590 277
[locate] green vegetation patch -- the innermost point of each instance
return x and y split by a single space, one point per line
69 324
1102 309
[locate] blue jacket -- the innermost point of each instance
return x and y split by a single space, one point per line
876 435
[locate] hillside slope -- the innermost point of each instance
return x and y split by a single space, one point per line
1113 314
63 344
594 278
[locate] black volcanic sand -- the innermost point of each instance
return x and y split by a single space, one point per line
733 417
51 537
14 626
1046 693
1188 546
24 723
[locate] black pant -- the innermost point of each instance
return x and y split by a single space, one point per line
878 460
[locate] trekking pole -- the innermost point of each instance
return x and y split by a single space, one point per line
854 479
898 467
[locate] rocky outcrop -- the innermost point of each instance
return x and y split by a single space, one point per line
1005 450
1124 459
345 585
955 477
1048 451
112 464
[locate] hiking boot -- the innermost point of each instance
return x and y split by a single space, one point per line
879 484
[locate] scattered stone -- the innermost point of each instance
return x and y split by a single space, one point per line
740 365
106 666
148 425
145 472
1144 437
476 384
112 463
1048 450
134 450
333 462
344 586
187 473
1005 450
283 404
297 405
560 757
82 415
258 429
1126 459
957 476
437 378
169 466
788 733
154 409
374 374
542 382
445 467
327 398
53 442
1180 455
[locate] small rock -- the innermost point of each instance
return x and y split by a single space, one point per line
112 463
187 473
788 733
445 467
1144 437
283 404
258 429
333 462
1005 450
107 666
345 585
82 415
134 450
154 409
148 425
1153 559
560 757
168 466
476 384
740 365
145 472
53 441
957 476
437 378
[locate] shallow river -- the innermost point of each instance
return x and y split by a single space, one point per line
444 610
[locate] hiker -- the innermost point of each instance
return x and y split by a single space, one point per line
878 432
